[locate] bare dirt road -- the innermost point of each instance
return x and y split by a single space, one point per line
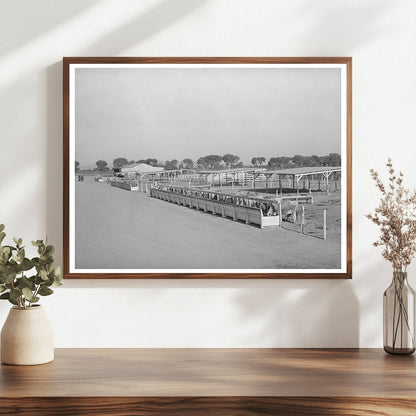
118 229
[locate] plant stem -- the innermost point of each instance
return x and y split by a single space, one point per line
401 314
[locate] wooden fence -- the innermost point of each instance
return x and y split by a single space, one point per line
249 215
125 184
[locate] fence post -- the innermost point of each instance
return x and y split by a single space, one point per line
302 224
325 224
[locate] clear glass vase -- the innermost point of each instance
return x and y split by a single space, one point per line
399 316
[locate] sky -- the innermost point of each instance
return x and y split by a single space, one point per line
178 113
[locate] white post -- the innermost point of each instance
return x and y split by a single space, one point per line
327 183
325 210
280 213
294 216
302 224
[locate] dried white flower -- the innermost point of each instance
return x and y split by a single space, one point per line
396 217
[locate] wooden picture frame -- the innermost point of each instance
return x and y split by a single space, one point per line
186 108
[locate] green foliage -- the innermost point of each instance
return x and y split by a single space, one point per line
210 162
120 162
187 164
230 160
151 161
101 166
258 161
298 161
15 285
171 165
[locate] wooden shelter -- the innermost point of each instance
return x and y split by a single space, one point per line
296 174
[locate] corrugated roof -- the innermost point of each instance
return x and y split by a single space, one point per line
141 167
305 170
234 170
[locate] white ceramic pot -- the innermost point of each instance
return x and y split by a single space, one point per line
27 337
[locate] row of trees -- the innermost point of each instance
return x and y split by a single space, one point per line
228 161
298 161
205 162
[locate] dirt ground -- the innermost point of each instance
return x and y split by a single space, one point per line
314 213
314 216
118 229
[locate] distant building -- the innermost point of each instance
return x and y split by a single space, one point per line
137 169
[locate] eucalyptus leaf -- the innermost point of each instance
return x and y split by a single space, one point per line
5 250
4 257
27 293
26 264
43 275
49 250
21 255
16 283
24 282
58 277
45 291
11 248
13 302
15 293
9 277
57 273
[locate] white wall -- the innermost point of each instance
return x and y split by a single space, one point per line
380 35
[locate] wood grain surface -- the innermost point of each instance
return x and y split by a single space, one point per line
212 381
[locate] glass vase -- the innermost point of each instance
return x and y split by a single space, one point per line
399 316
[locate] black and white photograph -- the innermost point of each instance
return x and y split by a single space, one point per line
207 169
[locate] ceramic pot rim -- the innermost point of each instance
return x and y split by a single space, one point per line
29 308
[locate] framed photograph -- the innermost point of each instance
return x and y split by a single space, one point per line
207 168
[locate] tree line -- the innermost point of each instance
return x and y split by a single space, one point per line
227 161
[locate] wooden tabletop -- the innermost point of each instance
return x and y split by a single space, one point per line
265 376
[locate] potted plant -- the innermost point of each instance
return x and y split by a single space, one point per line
27 336
396 217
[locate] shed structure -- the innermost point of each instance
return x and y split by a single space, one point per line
305 173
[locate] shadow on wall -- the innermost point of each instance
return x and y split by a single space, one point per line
142 27
260 313
306 312
37 17
153 20
54 146
340 36
301 313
